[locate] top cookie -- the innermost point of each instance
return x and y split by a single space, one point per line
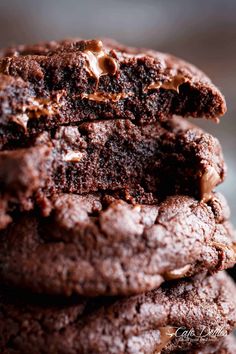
71 81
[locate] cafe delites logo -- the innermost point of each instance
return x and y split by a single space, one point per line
201 334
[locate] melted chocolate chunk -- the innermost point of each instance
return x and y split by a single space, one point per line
99 63
210 178
178 273
173 84
105 97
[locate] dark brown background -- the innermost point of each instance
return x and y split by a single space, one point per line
201 31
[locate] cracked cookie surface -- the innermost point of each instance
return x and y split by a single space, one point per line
101 245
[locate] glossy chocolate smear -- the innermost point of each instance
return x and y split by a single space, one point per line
226 252
208 181
36 108
105 96
177 273
99 63
166 335
173 84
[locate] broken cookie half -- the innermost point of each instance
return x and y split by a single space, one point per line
71 81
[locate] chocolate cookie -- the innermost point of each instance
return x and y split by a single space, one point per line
99 245
160 159
152 322
76 80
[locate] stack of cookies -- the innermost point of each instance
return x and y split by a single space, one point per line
112 236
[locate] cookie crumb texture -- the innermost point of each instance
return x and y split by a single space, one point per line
101 245
71 81
138 325
149 163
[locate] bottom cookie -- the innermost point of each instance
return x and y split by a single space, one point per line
179 316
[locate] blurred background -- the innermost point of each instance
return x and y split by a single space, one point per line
202 31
